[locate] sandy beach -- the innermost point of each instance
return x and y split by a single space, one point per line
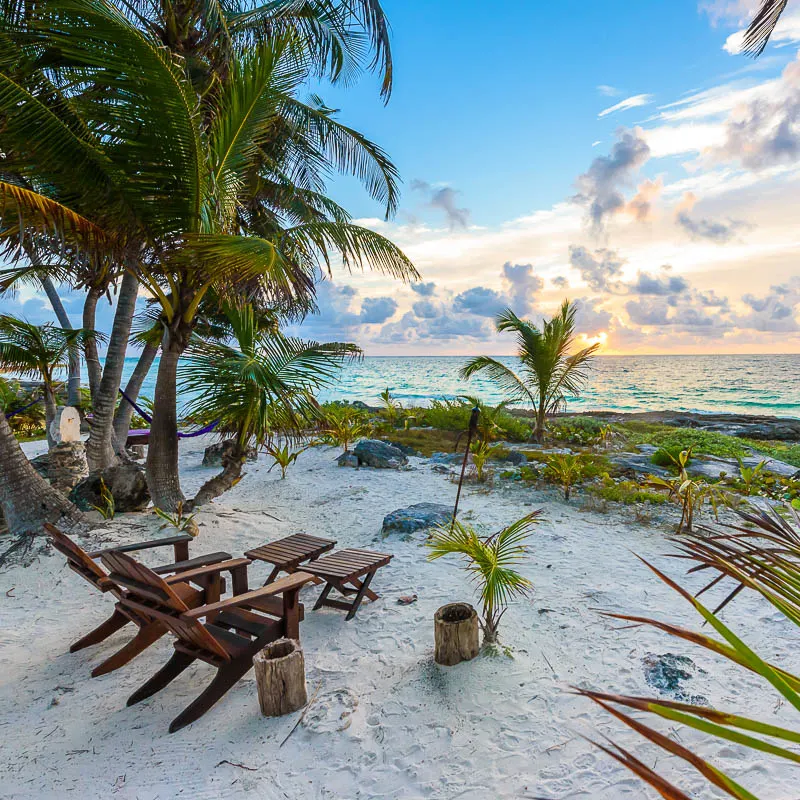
385 720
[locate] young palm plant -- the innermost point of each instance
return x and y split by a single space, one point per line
343 425
548 372
566 469
39 351
491 562
283 456
764 557
262 386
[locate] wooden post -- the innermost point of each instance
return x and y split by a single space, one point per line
281 677
455 628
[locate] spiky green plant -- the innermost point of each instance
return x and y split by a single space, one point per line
282 457
566 469
182 522
108 506
391 408
481 451
548 372
343 425
764 557
491 562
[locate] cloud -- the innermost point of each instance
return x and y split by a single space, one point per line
774 312
481 301
376 310
591 319
765 131
609 91
661 285
597 268
444 199
640 206
704 228
629 102
560 282
425 309
424 289
522 285
600 187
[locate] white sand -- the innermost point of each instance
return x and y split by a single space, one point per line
387 722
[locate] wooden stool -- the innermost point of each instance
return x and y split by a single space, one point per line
341 570
288 554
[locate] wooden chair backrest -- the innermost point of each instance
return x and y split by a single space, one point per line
77 558
147 592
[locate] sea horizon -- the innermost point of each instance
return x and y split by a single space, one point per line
766 384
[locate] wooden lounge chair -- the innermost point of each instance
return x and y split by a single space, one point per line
341 570
226 634
87 567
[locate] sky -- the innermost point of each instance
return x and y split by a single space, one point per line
622 155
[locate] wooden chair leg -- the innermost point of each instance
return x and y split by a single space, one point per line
364 588
291 614
226 677
101 632
367 592
177 664
324 596
274 574
146 636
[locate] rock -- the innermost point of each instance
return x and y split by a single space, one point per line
516 458
348 459
67 465
216 455
42 464
406 449
126 482
712 467
443 469
378 454
668 672
66 425
633 465
416 518
446 458
649 449
136 451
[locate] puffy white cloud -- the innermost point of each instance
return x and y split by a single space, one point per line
635 101
598 268
444 199
661 285
424 289
481 301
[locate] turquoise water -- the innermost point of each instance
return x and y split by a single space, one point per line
743 384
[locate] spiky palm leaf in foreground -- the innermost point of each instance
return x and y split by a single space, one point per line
766 559
762 26
262 387
548 372
491 562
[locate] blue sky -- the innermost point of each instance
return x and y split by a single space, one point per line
621 154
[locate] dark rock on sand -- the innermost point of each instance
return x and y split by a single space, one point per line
416 518
348 459
669 672
378 454
126 482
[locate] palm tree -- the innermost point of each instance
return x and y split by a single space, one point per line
491 562
261 387
548 373
762 26
38 351
178 170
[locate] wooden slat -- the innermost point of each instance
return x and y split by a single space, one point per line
210 569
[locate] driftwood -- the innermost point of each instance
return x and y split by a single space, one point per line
281 677
456 634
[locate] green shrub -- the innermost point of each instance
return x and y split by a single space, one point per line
577 430
453 415
705 442
666 456
626 492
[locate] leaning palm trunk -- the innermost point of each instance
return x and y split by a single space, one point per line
124 415
163 479
74 365
26 499
90 352
100 450
50 409
231 474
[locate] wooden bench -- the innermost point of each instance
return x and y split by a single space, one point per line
343 571
286 555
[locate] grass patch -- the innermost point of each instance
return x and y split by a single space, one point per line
676 439
790 453
627 492
427 441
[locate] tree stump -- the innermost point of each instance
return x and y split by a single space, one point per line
281 678
455 628
67 465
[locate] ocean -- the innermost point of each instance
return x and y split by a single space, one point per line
757 384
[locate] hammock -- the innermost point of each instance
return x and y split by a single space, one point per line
149 420
24 408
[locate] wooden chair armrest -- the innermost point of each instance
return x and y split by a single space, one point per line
192 563
291 582
220 566
130 548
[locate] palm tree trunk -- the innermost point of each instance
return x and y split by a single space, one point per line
50 409
90 352
538 432
122 419
74 379
26 498
100 451
219 484
162 453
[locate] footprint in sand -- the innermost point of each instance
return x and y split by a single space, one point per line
331 712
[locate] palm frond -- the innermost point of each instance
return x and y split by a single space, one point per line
762 26
508 382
